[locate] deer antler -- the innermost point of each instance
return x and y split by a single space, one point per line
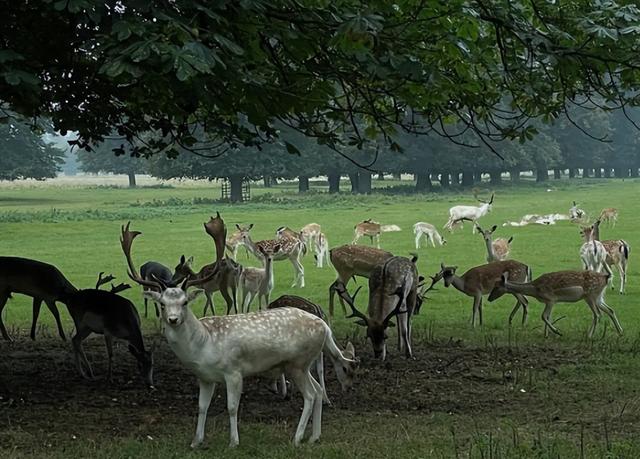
342 292
103 280
120 287
197 281
126 239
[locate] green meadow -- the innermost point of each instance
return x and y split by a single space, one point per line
494 391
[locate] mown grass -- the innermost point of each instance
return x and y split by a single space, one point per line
81 237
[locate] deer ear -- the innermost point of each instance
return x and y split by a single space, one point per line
182 260
510 239
152 295
360 322
190 260
238 226
493 228
251 226
442 266
420 278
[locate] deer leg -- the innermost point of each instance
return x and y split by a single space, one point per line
80 357
4 296
546 316
227 298
302 380
298 280
320 372
208 303
418 237
234 392
56 315
596 315
37 303
432 239
108 340
316 426
377 240
477 299
207 390
604 307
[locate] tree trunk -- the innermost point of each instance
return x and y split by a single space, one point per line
607 172
266 181
598 172
621 172
397 176
132 179
455 178
423 182
354 183
542 174
557 174
380 176
334 183
444 180
572 173
303 184
634 172
467 178
477 176
586 172
236 188
514 174
364 182
496 177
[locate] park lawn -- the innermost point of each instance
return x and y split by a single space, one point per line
547 397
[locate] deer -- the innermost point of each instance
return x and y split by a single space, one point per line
563 287
223 274
234 242
372 230
350 261
393 291
226 349
429 232
106 313
576 214
291 248
258 281
609 215
497 250
321 250
481 280
458 214
592 253
293 301
310 234
153 269
39 280
617 255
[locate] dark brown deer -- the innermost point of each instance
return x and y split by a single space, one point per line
154 270
39 280
109 314
393 291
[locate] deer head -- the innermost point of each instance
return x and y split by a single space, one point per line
216 228
182 270
447 273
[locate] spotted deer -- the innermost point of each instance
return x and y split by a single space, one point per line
393 290
609 215
372 230
293 301
563 287
350 261
235 241
39 280
481 280
429 232
497 250
226 349
617 255
257 282
291 248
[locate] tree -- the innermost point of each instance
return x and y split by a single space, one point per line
24 153
102 158
237 67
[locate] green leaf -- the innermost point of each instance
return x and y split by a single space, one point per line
228 44
121 29
7 55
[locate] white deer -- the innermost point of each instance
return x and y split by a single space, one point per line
458 214
592 253
226 349
429 232
258 282
321 250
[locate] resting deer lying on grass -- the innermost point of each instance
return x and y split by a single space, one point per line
41 281
481 280
226 349
109 314
293 301
563 287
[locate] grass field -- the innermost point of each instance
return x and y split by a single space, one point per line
489 392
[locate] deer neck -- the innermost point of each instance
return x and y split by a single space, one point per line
491 256
268 268
188 339
252 247
458 283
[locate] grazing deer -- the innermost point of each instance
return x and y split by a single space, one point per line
610 214
235 241
393 290
592 253
291 248
109 314
226 349
429 232
39 280
617 254
563 287
321 250
458 214
223 274
153 269
497 250
350 261
258 281
293 301
481 280
372 230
